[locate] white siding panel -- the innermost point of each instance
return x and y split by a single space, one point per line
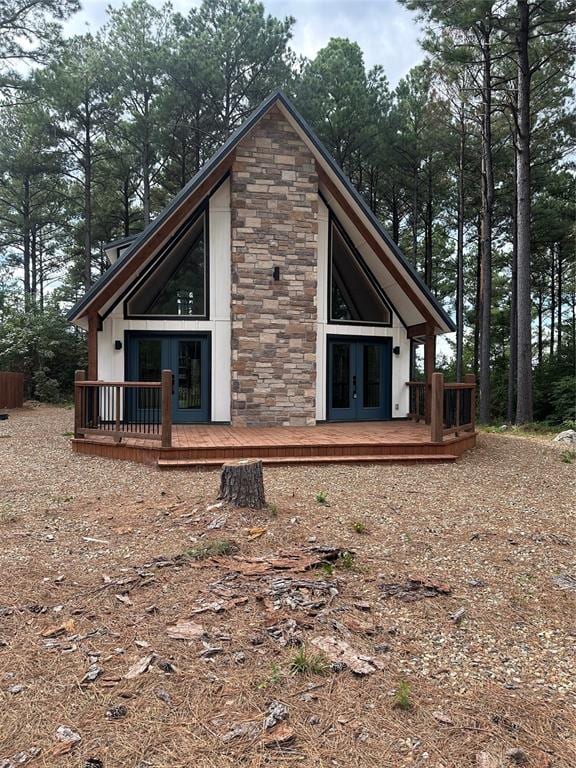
400 363
111 361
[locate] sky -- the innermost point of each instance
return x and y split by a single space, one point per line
386 32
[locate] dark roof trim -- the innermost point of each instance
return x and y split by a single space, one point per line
212 163
119 242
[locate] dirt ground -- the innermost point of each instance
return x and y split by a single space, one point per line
469 661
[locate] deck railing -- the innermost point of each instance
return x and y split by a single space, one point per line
120 409
417 400
449 407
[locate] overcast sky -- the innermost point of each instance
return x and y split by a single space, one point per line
386 32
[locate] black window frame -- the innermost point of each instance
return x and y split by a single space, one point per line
202 211
334 222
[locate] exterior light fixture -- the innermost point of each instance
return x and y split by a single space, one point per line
117 344
276 273
396 350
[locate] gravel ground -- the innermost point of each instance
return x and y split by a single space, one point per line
486 665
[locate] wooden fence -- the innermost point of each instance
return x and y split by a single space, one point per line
119 409
11 390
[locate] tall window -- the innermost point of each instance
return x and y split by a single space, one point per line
177 286
354 296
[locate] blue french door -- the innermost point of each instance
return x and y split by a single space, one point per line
188 357
359 379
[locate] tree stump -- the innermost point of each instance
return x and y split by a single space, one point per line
242 483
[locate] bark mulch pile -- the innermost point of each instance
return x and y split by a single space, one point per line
375 615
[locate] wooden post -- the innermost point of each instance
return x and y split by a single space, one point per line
242 484
78 398
93 328
437 408
118 394
469 378
166 408
429 365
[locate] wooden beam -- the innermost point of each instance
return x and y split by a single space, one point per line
78 399
167 227
429 366
469 378
166 408
437 409
94 325
429 356
380 252
420 329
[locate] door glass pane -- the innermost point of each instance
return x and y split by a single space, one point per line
189 374
149 368
371 376
340 375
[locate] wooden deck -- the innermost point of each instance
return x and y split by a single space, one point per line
213 444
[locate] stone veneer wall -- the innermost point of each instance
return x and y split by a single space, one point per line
274 201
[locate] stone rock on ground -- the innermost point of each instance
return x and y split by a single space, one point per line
568 437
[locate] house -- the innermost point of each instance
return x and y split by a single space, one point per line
270 291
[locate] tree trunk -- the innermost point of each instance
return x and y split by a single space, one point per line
33 264
87 199
126 204
477 317
415 218
146 166
428 232
460 253
487 208
524 404
242 484
513 362
552 298
26 239
540 327
559 327
395 216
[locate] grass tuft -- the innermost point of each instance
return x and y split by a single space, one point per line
359 526
346 561
402 697
568 456
305 663
210 549
272 509
274 678
322 497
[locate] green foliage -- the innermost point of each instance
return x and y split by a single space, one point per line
214 548
304 662
346 561
43 345
327 569
568 456
359 526
402 698
275 677
321 497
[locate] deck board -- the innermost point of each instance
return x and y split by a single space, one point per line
213 443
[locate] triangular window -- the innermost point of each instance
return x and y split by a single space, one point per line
355 296
177 286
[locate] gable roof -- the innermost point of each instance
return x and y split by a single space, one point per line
343 189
